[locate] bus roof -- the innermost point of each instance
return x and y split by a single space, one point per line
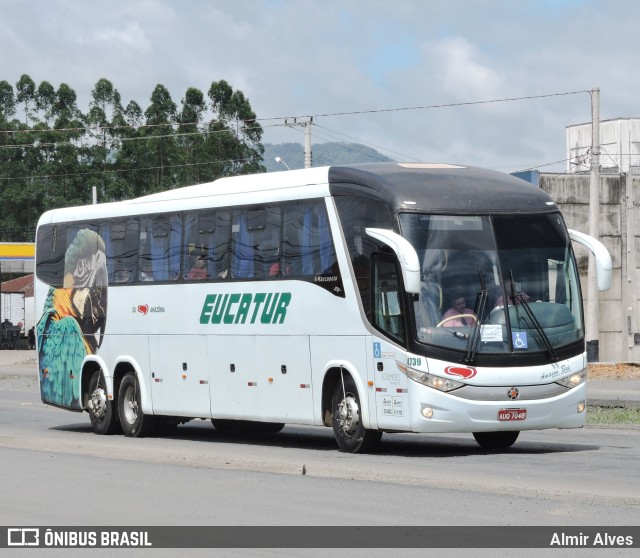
432 187
440 188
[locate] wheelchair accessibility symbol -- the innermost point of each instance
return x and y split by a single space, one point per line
519 339
377 350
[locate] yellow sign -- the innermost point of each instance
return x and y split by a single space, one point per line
17 250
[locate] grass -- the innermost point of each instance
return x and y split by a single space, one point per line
601 416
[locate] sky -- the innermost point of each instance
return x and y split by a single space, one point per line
352 64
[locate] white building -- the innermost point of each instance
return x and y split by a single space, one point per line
619 145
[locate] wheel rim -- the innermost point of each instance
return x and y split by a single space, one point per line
348 415
98 403
130 405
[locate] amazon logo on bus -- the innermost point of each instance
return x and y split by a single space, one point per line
245 308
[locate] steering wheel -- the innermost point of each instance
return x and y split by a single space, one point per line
457 316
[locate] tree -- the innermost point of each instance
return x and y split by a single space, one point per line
45 100
234 134
161 116
104 119
7 101
55 154
26 89
190 137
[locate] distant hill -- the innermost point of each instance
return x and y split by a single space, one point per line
331 153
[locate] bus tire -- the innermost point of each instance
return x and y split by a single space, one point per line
134 422
101 409
496 440
350 434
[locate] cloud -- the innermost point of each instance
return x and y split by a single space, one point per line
462 75
306 57
131 39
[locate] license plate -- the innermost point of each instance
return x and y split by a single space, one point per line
512 414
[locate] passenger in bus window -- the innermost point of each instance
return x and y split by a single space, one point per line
274 270
199 270
458 315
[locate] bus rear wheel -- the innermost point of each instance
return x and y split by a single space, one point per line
349 432
134 422
496 440
101 409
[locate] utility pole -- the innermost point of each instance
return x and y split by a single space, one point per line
308 156
593 296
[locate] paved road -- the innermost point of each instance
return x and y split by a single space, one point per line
57 471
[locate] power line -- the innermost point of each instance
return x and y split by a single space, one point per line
425 107
119 171
294 117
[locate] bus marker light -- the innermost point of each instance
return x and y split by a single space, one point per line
370 383
427 412
402 390
381 390
252 384
270 380
582 406
202 382
184 376
305 386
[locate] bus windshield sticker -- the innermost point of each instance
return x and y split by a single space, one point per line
491 333
519 339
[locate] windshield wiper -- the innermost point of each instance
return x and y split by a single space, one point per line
478 310
518 298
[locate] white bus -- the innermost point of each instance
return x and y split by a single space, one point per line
369 298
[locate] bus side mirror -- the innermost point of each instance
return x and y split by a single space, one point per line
409 263
601 254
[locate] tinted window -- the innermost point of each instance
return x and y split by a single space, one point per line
160 247
206 248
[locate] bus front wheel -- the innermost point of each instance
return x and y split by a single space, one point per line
496 440
351 435
134 422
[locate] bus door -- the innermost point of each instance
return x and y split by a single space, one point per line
284 368
179 375
388 317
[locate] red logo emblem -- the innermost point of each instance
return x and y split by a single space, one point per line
460 371
143 309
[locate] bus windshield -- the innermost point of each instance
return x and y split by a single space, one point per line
495 284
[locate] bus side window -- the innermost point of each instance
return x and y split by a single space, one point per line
121 243
51 247
267 242
386 301
307 243
292 238
160 247
255 241
242 248
207 236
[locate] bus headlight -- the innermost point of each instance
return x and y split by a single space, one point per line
573 380
429 380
